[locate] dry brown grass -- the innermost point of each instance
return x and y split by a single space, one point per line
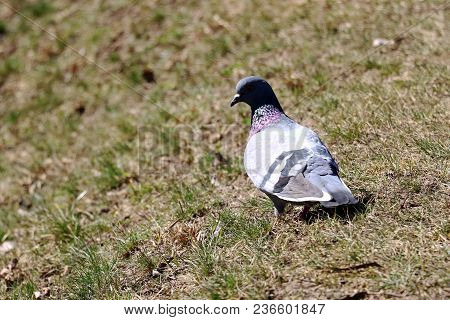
185 222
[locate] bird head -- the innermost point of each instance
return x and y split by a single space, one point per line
255 92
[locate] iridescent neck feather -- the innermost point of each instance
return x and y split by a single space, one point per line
263 117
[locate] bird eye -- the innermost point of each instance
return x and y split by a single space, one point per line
247 88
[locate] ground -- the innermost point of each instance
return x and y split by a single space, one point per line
121 163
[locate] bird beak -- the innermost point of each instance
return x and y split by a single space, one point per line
235 100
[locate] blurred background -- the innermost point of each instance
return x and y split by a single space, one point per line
79 80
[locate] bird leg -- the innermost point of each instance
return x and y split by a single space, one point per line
278 204
279 209
304 212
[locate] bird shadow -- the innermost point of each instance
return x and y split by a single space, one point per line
344 214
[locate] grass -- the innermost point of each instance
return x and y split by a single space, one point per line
39 8
168 211
93 276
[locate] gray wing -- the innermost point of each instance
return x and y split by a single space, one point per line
323 172
315 178
292 184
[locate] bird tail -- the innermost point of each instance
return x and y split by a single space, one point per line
339 191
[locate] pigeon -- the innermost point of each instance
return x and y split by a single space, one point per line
285 160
